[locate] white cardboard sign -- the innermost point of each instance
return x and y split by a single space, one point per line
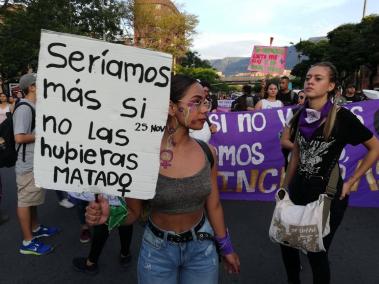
100 115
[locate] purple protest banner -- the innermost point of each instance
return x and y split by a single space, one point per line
251 164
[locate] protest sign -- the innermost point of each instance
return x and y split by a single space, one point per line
251 164
100 115
14 90
224 105
268 59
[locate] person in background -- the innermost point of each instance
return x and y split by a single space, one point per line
5 109
205 134
12 102
208 128
301 98
270 100
186 217
80 206
100 236
285 95
28 194
352 96
246 101
339 99
324 129
211 97
63 200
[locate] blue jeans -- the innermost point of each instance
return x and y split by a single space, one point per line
161 261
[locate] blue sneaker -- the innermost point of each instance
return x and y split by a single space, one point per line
45 232
36 248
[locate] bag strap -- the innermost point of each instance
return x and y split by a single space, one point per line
207 151
32 126
331 190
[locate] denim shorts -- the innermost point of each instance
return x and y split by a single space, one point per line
162 261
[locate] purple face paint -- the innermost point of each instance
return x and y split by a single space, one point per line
166 157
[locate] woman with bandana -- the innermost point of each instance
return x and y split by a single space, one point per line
186 218
287 137
323 130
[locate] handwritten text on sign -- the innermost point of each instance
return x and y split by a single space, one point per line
101 112
268 59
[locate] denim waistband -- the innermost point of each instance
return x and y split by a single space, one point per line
181 237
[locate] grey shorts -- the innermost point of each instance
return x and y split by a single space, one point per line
27 192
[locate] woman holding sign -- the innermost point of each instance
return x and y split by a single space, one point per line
323 130
186 217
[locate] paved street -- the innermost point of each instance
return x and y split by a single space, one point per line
354 254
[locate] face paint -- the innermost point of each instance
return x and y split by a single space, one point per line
186 115
167 155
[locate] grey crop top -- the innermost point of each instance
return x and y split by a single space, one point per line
182 195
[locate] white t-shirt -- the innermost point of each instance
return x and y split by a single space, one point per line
3 113
204 134
266 104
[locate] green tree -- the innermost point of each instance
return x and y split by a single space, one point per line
313 52
349 47
192 59
369 28
346 49
20 27
205 74
168 31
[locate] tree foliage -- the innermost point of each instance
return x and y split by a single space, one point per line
314 52
192 59
22 20
205 74
349 47
370 32
21 26
163 30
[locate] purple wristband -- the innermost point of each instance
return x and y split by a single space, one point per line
225 244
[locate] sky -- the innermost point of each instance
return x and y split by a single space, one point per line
230 28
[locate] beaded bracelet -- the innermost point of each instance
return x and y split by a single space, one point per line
225 244
117 214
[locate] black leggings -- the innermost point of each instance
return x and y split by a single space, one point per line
318 260
100 236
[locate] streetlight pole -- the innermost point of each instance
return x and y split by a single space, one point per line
364 8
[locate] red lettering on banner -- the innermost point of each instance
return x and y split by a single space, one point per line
272 57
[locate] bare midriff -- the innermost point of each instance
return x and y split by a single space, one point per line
177 223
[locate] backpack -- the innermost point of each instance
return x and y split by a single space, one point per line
8 152
239 104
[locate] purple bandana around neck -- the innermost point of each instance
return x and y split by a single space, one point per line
307 128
